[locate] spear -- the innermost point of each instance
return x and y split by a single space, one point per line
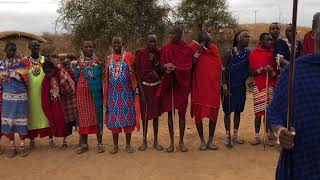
292 64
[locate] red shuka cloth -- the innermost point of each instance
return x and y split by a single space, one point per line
206 84
53 110
129 59
149 73
181 56
308 44
261 58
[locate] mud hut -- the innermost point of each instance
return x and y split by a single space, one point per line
22 40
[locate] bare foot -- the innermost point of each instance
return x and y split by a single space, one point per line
23 152
183 148
12 153
100 148
83 149
203 146
211 146
129 149
170 149
157 146
114 150
143 146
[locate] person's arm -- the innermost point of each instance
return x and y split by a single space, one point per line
277 112
197 55
225 61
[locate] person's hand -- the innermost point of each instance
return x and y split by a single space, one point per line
286 138
169 68
201 46
268 69
226 92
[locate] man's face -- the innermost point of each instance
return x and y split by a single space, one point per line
87 48
117 44
275 30
34 47
266 42
289 32
175 35
152 41
11 52
244 39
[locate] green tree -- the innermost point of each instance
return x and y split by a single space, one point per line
212 15
100 20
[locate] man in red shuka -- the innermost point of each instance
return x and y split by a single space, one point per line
176 60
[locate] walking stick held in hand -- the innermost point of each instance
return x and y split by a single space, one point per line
292 64
172 107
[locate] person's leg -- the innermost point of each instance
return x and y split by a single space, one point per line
128 143
64 143
115 137
100 147
144 144
23 150
156 144
182 127
84 144
236 120
212 129
227 126
203 145
171 133
257 125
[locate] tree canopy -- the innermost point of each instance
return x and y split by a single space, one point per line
100 20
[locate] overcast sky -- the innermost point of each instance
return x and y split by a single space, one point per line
39 16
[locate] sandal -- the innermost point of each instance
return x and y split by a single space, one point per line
114 150
143 146
64 146
100 148
129 149
203 146
256 141
157 147
211 146
83 149
236 140
170 149
183 148
12 153
23 151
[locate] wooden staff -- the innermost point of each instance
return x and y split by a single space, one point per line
172 108
292 64
265 113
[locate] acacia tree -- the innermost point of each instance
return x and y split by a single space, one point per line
100 20
212 15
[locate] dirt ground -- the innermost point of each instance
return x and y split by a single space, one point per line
242 162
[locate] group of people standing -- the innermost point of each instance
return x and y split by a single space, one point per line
44 99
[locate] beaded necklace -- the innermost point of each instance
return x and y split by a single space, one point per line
116 67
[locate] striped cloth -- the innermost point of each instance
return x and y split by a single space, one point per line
261 99
303 161
68 94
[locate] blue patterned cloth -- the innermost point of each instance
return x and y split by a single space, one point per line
121 98
237 74
14 114
303 161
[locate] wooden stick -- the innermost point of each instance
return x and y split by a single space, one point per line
172 108
265 113
292 63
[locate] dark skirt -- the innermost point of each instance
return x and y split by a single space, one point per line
236 102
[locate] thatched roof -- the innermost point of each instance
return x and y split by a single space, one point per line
18 34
